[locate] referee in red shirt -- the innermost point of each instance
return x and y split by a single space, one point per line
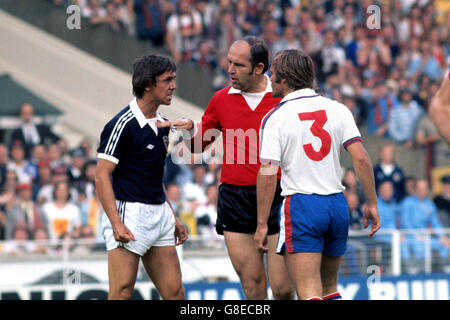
236 111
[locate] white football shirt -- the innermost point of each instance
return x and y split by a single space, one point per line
304 135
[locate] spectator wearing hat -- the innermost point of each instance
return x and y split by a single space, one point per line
25 211
442 202
403 119
75 169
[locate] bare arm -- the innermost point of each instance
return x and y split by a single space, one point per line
105 191
364 171
439 110
266 183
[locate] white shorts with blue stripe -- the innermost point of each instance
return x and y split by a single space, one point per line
152 226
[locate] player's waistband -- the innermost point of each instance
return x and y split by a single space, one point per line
244 187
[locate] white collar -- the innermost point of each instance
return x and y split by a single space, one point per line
238 91
141 119
298 94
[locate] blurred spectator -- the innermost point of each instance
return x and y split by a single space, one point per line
424 63
40 239
380 106
356 215
246 18
352 185
388 210
419 212
24 211
91 213
442 202
270 32
206 214
150 20
38 154
184 28
211 174
86 182
173 196
3 164
410 186
287 41
374 55
94 11
55 156
221 78
227 31
18 244
75 169
332 58
205 56
44 178
61 215
117 16
427 135
86 145
29 133
206 9
357 42
20 165
46 192
350 103
410 26
387 169
196 189
403 119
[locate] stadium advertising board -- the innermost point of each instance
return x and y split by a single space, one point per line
417 287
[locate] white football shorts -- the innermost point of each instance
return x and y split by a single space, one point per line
152 226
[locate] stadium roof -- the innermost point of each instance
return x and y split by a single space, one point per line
13 95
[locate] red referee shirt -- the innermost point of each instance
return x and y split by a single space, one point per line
239 124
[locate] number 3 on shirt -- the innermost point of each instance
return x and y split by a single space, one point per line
320 118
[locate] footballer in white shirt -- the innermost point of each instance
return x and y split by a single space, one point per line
304 135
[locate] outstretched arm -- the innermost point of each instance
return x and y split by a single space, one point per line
439 109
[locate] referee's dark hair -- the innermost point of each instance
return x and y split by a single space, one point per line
296 67
259 52
146 69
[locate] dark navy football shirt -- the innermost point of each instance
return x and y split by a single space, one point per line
129 141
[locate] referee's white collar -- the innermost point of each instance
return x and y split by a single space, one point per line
141 119
299 93
238 91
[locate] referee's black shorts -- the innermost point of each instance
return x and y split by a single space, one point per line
237 212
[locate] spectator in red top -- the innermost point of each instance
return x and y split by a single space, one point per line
236 111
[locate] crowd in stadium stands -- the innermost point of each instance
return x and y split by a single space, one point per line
385 76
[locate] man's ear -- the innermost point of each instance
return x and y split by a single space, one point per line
259 68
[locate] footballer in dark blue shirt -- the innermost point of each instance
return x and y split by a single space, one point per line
139 222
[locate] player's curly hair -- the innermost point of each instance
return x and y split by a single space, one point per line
146 69
296 67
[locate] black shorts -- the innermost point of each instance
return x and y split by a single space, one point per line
237 212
